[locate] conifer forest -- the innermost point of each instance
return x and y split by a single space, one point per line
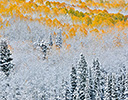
63 49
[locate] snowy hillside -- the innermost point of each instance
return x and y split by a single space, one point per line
83 42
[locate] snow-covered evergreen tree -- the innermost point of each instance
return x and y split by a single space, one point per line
82 77
56 96
62 90
97 78
50 41
122 83
115 92
126 82
73 83
109 87
59 40
91 90
102 84
67 94
5 59
44 48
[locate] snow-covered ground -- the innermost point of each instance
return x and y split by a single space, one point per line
32 74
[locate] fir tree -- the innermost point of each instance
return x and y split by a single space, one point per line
102 84
115 92
82 77
109 87
126 82
91 90
5 59
67 94
59 40
56 95
44 48
50 42
122 83
73 83
97 78
62 90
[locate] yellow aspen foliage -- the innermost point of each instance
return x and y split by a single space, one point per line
126 8
73 1
94 4
106 23
83 31
1 26
87 20
62 11
117 41
31 19
96 21
75 18
28 28
7 23
55 11
70 35
10 47
56 23
1 20
63 33
67 26
99 36
55 33
126 23
95 30
120 25
49 22
103 31
76 26
46 17
83 4
46 10
84 25
72 30
125 38
67 36
68 46
40 1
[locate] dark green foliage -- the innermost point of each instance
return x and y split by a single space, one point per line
5 59
97 74
51 42
82 77
109 88
73 83
91 90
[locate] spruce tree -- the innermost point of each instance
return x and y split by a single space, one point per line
82 77
115 92
102 84
126 82
62 90
59 40
5 59
67 94
73 83
50 42
97 78
122 84
91 90
109 87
